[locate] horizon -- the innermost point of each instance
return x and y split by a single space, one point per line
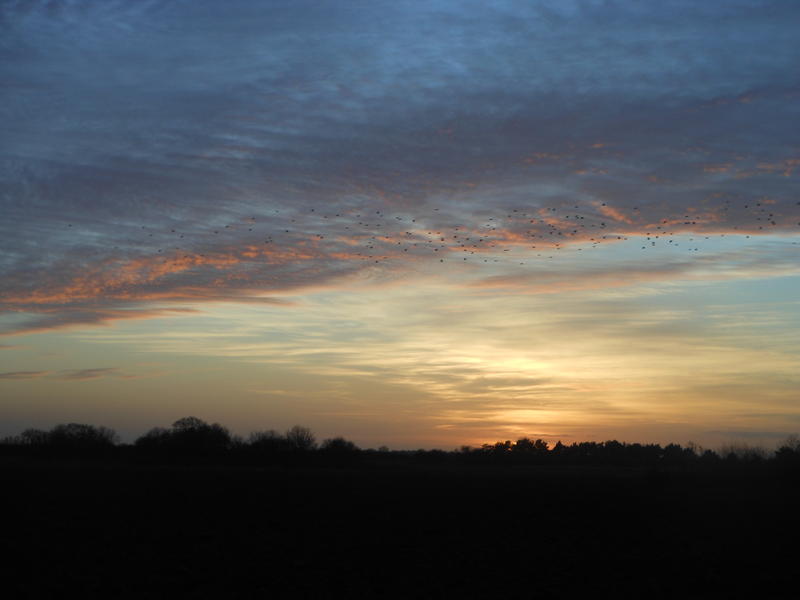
246 437
413 226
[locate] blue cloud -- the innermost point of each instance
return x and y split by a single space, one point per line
128 125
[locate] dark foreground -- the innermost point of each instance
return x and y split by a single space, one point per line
111 530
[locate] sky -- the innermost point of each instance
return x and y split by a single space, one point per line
413 224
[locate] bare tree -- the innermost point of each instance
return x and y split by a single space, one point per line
82 435
189 424
268 441
300 438
34 437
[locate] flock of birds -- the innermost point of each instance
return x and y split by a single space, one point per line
378 236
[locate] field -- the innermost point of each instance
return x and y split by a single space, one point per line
117 530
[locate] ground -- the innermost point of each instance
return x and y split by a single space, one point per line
112 530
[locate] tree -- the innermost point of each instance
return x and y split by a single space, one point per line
79 435
791 444
267 441
34 437
189 424
742 452
788 454
339 445
156 438
193 434
188 435
502 447
300 439
525 447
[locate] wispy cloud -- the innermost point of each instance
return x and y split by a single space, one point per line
84 374
68 374
91 315
543 363
23 374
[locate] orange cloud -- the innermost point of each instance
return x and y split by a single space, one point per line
719 168
786 167
109 289
134 279
616 214
84 374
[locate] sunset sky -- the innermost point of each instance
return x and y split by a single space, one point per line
418 224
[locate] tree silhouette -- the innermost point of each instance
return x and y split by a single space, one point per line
155 439
196 435
787 456
81 436
267 446
189 424
339 445
300 439
188 436
33 437
526 446
267 441
498 448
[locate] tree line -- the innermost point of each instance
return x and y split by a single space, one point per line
191 438
186 438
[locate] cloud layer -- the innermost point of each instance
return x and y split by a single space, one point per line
172 151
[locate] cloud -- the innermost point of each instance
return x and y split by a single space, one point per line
748 434
58 319
67 375
84 374
302 147
555 360
721 266
616 214
23 374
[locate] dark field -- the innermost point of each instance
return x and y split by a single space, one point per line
116 530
